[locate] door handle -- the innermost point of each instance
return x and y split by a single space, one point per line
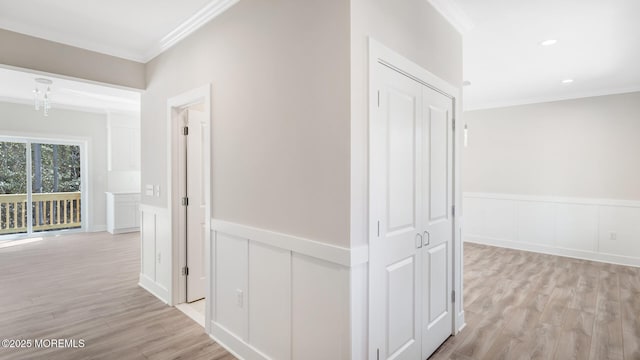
418 241
427 238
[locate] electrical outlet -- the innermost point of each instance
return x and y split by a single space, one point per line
157 190
159 257
148 190
613 235
240 298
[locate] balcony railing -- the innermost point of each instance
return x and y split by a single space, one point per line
50 211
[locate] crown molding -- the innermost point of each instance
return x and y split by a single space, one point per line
192 24
547 99
452 12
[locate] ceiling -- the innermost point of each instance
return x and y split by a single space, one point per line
598 46
17 87
135 30
598 42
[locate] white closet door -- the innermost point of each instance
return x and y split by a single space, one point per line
437 252
396 190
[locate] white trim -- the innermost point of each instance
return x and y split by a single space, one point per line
177 247
233 344
196 21
552 250
102 228
332 253
546 99
191 313
454 15
193 23
554 199
154 288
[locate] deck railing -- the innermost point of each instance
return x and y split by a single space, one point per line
50 211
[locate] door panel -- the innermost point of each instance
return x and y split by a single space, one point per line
196 222
438 162
437 270
395 262
401 306
401 160
436 288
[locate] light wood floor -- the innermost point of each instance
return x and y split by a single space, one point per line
523 305
518 305
84 286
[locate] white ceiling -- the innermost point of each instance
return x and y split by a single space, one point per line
17 87
137 30
598 46
598 41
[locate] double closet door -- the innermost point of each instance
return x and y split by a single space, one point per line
411 255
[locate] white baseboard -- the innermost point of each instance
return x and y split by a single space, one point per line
235 345
154 288
576 254
191 313
98 228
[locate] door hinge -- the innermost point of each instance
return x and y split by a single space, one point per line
378 228
454 124
453 210
185 271
453 296
378 98
185 130
185 201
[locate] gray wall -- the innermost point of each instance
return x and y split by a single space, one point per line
415 30
575 148
28 52
280 103
23 120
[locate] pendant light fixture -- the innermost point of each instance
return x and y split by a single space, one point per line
42 98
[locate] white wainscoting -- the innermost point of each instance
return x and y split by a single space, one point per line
155 243
276 296
594 229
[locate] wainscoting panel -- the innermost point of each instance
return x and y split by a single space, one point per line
270 301
595 229
232 296
155 245
320 309
270 291
625 223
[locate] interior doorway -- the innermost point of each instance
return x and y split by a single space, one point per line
190 201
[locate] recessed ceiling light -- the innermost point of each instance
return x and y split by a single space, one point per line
548 42
567 81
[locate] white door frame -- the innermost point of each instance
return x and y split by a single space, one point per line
380 54
175 105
